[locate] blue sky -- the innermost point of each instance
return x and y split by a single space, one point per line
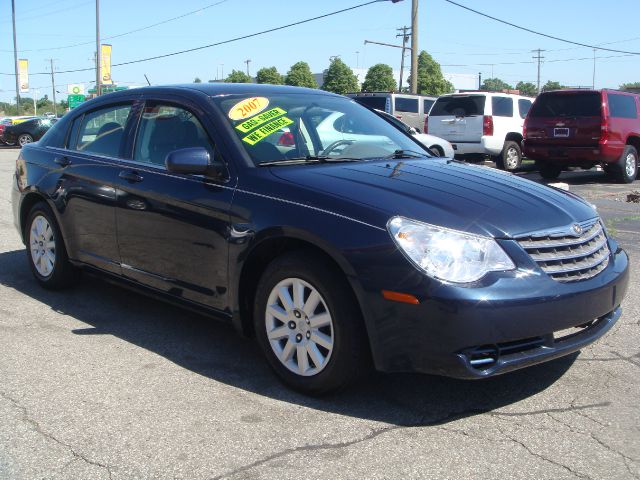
460 40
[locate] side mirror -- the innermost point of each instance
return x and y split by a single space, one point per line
413 131
196 160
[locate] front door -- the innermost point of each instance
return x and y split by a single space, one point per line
172 228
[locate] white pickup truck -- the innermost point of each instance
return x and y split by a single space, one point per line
481 123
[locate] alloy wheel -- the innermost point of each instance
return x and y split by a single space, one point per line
24 139
299 327
43 246
512 159
630 165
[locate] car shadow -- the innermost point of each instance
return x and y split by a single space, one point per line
214 350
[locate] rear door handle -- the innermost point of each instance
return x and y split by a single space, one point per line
62 161
130 176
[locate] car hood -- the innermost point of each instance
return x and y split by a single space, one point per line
452 194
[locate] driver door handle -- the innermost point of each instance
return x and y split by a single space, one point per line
62 161
130 176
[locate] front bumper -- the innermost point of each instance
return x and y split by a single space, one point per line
507 323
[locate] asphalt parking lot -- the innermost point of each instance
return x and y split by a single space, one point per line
98 382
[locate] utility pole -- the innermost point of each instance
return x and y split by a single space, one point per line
98 52
479 80
414 46
538 57
248 61
405 37
593 81
53 87
15 55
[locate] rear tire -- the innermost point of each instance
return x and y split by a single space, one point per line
627 166
436 150
549 171
24 138
46 252
308 324
510 158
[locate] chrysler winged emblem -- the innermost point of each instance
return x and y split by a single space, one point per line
577 229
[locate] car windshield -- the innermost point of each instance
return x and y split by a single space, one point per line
284 127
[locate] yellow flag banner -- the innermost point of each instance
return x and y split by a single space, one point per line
23 75
106 65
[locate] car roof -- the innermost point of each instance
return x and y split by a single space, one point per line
488 94
220 88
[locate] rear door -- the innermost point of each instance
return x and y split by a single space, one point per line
623 116
458 118
565 119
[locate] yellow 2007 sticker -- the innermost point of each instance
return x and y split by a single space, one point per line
248 107
258 120
266 130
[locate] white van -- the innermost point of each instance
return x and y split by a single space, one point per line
411 109
481 123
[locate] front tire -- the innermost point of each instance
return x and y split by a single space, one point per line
46 253
308 324
24 139
549 171
510 158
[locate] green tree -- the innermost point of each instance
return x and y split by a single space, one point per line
430 78
299 75
269 75
552 86
379 78
626 86
495 85
238 76
340 78
527 88
197 80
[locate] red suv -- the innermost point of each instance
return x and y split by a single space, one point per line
584 128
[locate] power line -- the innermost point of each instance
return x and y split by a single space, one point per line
223 42
193 12
540 33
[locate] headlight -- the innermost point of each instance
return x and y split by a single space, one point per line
446 254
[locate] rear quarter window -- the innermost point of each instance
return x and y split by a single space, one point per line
622 106
524 106
372 102
55 136
587 104
427 106
502 106
459 106
409 105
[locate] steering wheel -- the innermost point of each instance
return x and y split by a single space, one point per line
332 146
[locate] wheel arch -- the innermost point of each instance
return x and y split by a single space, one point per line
268 247
514 137
634 141
29 200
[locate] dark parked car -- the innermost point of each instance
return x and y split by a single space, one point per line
585 128
27 132
332 252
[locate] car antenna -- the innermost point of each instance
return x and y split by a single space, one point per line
147 79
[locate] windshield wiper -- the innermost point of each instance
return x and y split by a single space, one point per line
307 159
406 154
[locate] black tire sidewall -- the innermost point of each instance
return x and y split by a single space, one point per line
502 158
549 171
347 355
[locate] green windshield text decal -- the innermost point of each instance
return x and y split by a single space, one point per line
258 120
266 130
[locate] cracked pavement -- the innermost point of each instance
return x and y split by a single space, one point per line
98 382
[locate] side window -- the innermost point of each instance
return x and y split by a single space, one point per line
524 106
165 128
427 106
406 105
622 106
502 106
100 131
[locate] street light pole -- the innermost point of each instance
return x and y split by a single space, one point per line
98 53
15 55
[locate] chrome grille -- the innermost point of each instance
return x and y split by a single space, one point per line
566 257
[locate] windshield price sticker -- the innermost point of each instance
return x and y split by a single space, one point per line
266 130
248 108
258 120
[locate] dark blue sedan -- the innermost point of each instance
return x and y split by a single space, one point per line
311 223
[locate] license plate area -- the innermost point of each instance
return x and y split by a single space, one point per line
561 132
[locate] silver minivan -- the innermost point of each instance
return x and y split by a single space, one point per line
411 109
